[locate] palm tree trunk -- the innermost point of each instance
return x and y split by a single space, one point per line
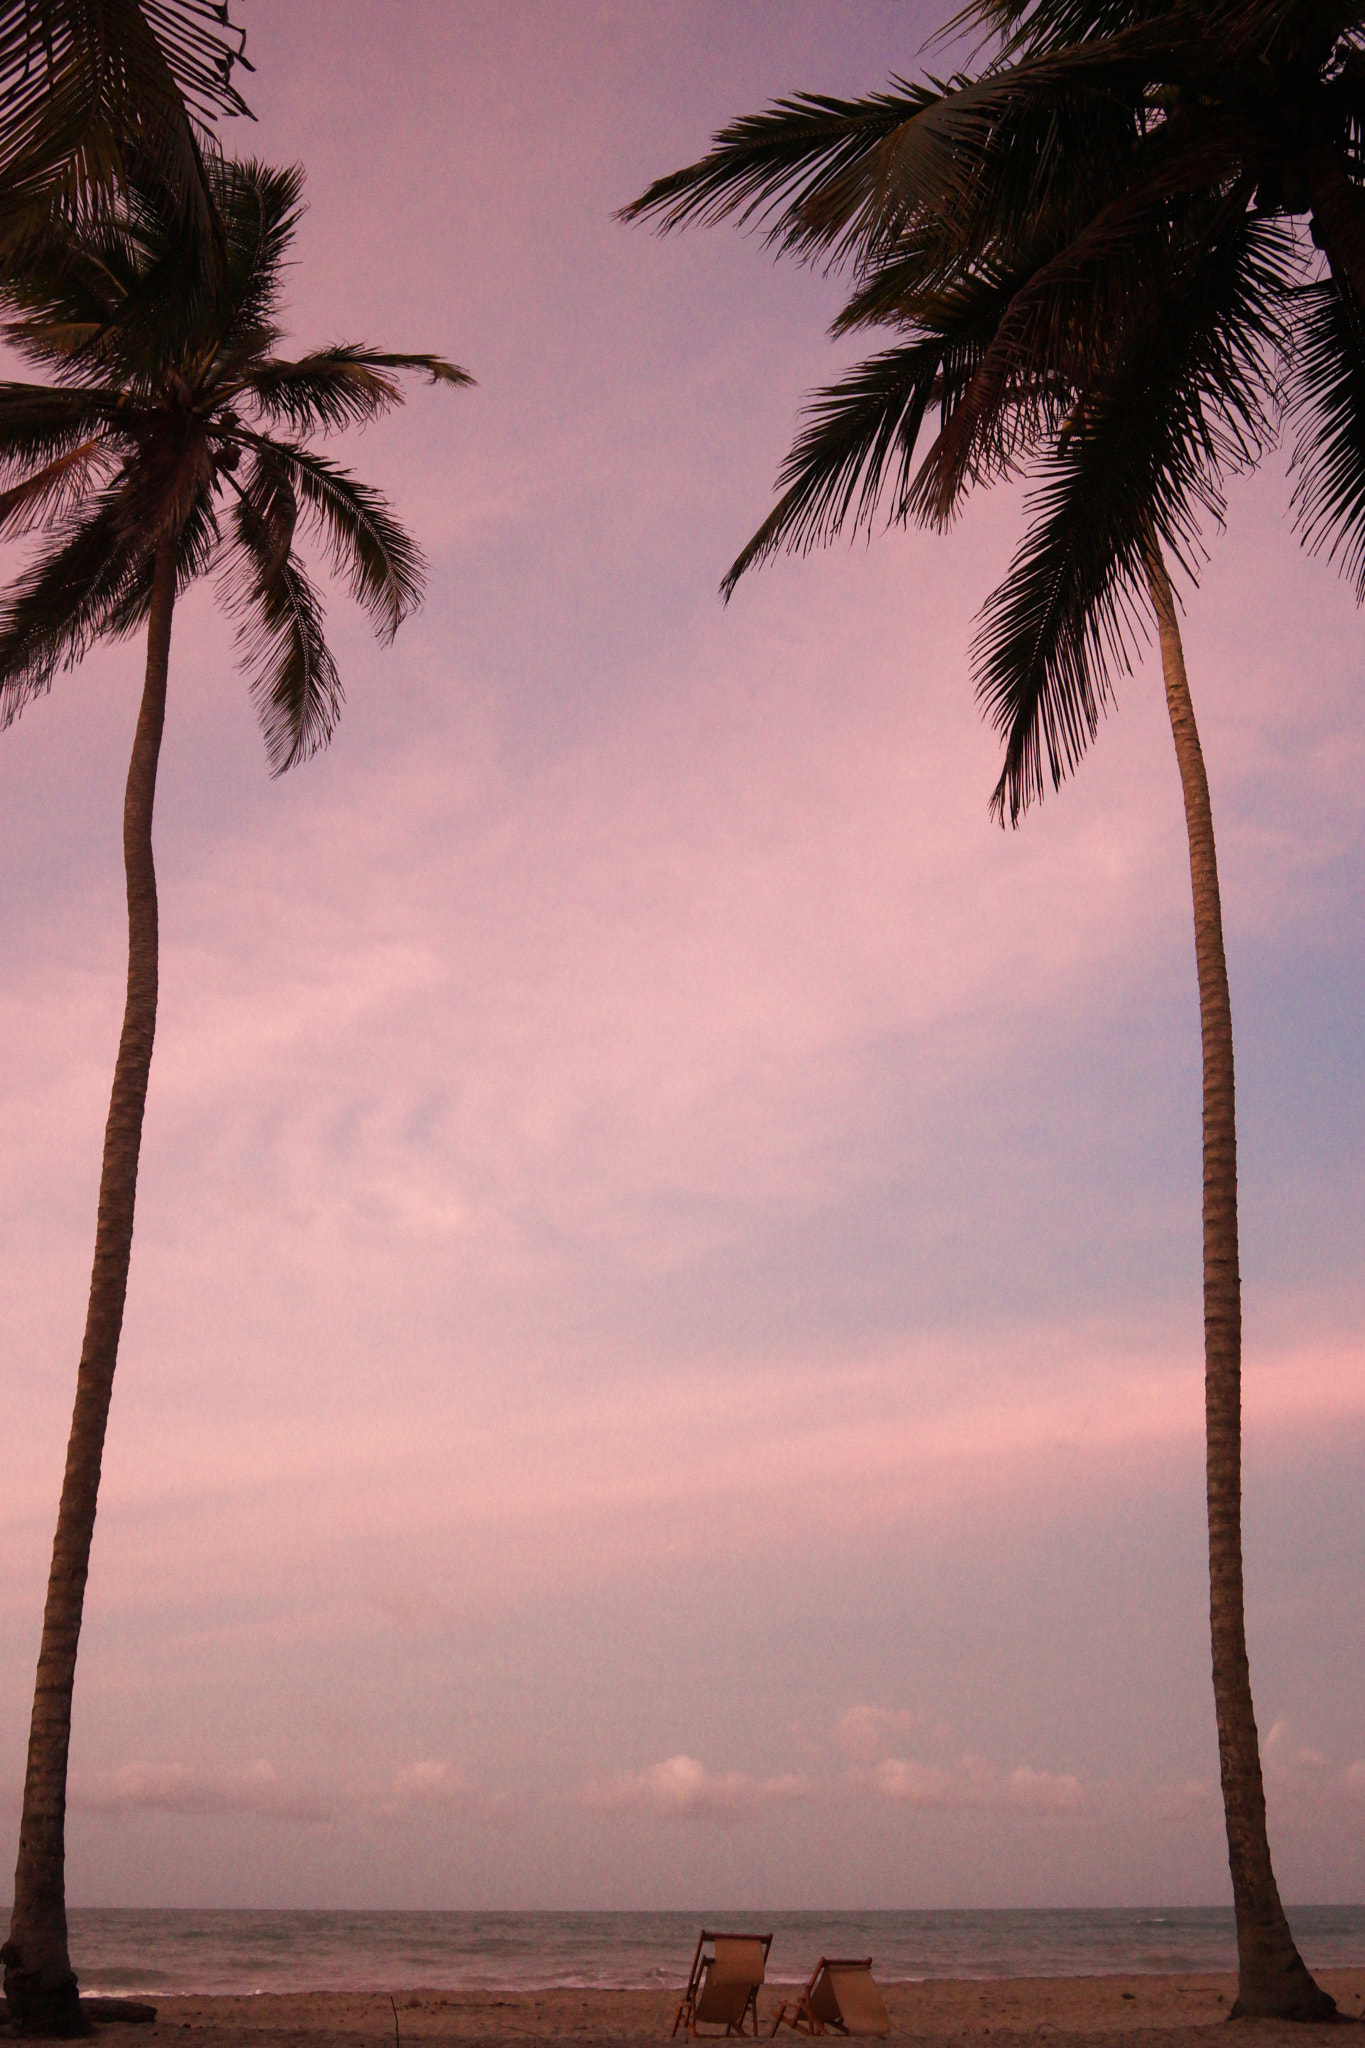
1272 1978
40 1985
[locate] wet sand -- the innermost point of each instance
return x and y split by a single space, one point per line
1172 2012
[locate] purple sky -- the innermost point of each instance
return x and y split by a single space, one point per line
663 1357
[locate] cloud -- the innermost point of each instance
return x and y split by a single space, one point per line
429 1783
864 1733
173 1788
1192 1795
681 1788
433 1785
973 1782
1299 1776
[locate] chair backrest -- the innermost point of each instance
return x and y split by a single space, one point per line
843 1991
733 1974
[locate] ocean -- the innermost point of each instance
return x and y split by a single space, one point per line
116 1949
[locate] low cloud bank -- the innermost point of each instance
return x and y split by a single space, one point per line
429 1785
681 1788
972 1781
174 1788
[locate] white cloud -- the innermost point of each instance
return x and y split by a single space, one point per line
1275 1739
429 1783
919 1784
432 1785
1192 1795
863 1733
681 1788
1297 1775
1042 1791
173 1788
973 1782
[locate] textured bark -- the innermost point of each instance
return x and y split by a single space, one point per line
40 1985
1272 1978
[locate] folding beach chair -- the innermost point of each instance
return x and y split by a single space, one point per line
722 1990
840 1997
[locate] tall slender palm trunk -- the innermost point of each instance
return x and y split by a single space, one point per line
40 1985
1272 1978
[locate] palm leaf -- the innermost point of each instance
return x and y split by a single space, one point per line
65 600
336 387
382 564
859 433
85 89
47 495
38 424
859 441
175 311
847 177
196 544
778 161
1146 455
294 680
260 207
1327 395
156 360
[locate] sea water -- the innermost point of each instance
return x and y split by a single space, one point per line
133 1950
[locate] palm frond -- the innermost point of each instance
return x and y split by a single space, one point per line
39 423
859 435
156 360
1327 397
47 495
1067 617
770 167
260 206
382 564
1052 163
1146 454
76 279
66 600
1054 24
338 387
858 446
196 544
174 311
847 178
85 89
294 681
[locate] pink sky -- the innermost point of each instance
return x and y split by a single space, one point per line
663 1358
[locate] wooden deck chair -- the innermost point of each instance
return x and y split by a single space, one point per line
722 1990
840 1997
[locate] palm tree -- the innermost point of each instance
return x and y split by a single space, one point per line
168 445
1088 254
90 89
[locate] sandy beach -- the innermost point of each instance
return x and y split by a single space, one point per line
1172 2011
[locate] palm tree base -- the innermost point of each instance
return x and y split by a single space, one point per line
1294 1997
42 2002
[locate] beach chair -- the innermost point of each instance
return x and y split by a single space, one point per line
840 1998
722 1989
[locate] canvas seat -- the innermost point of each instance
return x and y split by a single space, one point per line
722 1989
840 1998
